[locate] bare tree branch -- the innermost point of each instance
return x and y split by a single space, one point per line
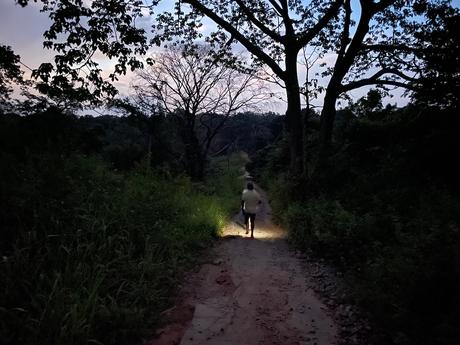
201 92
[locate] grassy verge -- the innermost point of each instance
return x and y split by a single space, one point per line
401 269
386 211
91 255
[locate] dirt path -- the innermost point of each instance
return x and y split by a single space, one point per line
251 292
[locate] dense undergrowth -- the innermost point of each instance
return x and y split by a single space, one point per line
386 211
91 254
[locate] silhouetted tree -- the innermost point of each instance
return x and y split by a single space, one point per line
159 132
201 93
376 48
107 27
439 44
10 72
380 48
366 106
273 31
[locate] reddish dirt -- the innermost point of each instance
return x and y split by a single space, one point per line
250 292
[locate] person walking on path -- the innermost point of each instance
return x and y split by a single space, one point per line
250 201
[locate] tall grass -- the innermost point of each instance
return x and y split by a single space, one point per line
402 269
387 212
91 255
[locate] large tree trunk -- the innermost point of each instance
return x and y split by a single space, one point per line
194 158
294 117
327 125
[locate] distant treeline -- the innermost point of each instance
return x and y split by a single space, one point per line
123 141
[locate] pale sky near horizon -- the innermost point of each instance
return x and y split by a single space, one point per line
22 29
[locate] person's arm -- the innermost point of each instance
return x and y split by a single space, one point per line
242 206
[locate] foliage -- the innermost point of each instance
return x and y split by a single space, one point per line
387 213
441 48
372 43
250 132
99 26
270 31
90 254
381 47
10 72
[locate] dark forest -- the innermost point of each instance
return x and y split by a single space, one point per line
102 216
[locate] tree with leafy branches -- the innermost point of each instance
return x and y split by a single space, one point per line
10 71
272 31
374 43
439 49
383 47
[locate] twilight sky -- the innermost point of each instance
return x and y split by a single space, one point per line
22 29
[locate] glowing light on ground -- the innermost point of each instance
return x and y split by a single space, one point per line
262 231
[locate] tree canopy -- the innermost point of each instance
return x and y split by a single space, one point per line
10 71
363 43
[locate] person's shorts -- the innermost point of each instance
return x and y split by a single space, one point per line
251 216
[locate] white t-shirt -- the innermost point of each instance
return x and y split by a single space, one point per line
251 200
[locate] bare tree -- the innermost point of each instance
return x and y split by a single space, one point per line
201 92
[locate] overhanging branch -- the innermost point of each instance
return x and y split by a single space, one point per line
276 6
375 80
390 48
251 47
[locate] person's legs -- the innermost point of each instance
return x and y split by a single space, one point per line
253 218
246 222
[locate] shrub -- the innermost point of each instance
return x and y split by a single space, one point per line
91 255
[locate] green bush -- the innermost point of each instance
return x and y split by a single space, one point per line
403 269
91 255
324 226
386 211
